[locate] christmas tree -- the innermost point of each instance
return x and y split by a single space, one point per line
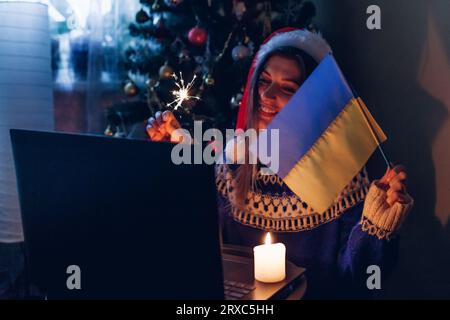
192 57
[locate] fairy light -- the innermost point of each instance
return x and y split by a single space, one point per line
182 94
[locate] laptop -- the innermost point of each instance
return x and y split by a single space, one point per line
109 218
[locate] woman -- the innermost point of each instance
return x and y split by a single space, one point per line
337 246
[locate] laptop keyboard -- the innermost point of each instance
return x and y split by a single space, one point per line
235 290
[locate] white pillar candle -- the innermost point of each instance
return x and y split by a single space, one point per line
270 261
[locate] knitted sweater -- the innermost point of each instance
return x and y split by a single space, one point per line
336 247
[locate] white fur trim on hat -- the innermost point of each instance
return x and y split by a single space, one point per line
310 42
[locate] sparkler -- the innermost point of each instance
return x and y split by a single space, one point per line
182 94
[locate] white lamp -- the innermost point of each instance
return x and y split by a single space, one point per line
26 95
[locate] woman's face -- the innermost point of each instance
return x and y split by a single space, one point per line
277 83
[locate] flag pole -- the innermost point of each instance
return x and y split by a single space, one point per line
372 131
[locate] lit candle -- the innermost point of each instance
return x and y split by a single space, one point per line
270 261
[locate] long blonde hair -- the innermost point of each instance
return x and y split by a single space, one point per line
246 173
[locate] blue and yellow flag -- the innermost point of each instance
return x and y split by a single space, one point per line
326 136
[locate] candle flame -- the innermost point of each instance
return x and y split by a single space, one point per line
268 238
182 94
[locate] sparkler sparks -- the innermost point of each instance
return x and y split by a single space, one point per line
182 94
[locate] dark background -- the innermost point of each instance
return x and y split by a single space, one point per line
402 72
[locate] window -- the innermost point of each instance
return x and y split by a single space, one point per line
87 38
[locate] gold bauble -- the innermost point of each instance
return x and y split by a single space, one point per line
165 72
209 80
130 89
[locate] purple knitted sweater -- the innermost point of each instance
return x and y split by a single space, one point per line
333 246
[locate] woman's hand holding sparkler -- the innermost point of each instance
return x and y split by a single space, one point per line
162 126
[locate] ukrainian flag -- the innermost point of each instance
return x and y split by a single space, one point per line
326 136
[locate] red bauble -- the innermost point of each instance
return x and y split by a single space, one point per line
197 36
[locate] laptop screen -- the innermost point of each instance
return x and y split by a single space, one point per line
133 223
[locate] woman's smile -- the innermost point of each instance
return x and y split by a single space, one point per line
267 112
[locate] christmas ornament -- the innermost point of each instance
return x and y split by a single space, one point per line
239 9
165 72
108 131
236 101
209 80
173 3
240 52
130 89
142 16
197 36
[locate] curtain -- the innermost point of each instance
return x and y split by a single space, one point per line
26 99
